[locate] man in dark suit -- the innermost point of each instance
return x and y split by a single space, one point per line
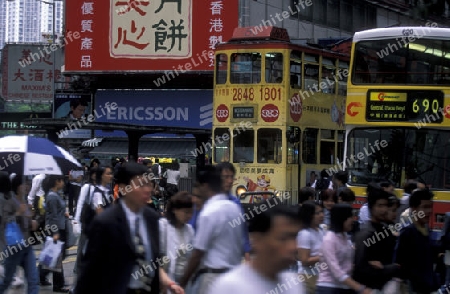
120 259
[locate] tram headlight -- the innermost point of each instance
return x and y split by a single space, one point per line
240 189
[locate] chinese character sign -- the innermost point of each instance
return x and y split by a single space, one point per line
151 29
146 35
30 72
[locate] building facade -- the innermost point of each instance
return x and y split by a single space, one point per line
24 21
309 21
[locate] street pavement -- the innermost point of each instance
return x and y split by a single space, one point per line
68 265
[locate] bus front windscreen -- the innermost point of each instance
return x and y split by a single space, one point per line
399 62
397 154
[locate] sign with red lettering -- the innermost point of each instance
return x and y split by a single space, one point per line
269 113
133 35
295 107
28 71
222 113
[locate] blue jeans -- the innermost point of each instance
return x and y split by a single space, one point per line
27 260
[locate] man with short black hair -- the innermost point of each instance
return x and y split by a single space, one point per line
273 232
77 108
340 180
122 253
346 196
375 245
306 194
415 252
217 245
227 174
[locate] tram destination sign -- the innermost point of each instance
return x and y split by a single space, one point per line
243 112
404 106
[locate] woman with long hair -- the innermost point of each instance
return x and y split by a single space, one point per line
328 199
175 234
309 242
14 207
103 195
337 254
55 216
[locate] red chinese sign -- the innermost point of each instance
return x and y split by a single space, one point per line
147 35
28 72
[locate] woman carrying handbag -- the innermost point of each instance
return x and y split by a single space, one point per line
16 225
55 215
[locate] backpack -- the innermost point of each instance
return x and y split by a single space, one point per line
87 212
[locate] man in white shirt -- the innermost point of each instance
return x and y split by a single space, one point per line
218 246
36 191
273 232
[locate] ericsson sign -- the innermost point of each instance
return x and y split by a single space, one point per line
149 113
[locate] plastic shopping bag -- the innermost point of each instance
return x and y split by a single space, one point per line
76 229
71 239
51 255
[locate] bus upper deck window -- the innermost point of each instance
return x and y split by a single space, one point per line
221 68
245 68
274 68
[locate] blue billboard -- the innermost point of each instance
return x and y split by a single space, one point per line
171 108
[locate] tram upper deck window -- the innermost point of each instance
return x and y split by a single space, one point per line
328 74
311 72
269 146
222 146
221 68
342 77
244 146
296 70
274 68
245 68
388 62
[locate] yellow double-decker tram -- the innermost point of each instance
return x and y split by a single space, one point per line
398 111
279 111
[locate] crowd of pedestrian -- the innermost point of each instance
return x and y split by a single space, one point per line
128 245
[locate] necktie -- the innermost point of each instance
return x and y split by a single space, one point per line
141 259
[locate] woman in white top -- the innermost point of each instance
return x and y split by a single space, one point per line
176 234
173 176
309 242
102 197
